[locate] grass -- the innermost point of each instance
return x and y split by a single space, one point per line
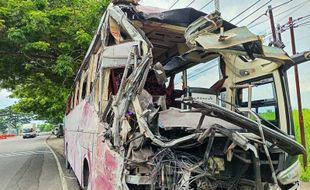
305 176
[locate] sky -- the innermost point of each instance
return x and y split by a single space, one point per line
229 9
5 100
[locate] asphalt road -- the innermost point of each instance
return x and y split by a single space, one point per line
27 164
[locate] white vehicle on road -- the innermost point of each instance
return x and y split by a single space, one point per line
29 130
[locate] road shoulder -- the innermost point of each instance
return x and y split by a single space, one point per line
57 145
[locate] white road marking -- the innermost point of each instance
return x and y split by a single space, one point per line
61 173
23 153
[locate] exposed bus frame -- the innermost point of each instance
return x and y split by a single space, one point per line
131 95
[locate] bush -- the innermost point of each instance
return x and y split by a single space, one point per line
46 127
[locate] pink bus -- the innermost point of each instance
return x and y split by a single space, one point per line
180 99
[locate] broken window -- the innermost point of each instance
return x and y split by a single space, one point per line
84 80
96 96
262 97
104 88
203 75
117 34
72 101
68 105
77 94
84 90
115 80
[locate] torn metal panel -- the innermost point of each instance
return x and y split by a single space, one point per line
203 25
298 59
238 36
283 141
233 37
119 16
189 120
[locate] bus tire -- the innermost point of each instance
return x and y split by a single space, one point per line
85 175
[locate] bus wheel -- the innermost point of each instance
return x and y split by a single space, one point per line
85 176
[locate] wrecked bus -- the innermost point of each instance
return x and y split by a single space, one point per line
129 125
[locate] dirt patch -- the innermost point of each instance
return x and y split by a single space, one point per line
57 144
305 185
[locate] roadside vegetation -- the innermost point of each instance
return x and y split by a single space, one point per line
305 173
42 44
46 127
10 119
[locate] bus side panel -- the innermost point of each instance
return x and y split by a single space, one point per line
85 138
88 133
108 167
72 136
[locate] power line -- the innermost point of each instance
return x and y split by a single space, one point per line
291 8
266 14
245 10
298 39
191 3
282 4
174 4
192 75
206 5
303 24
296 23
253 12
200 72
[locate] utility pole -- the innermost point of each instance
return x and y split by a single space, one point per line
273 29
279 32
300 114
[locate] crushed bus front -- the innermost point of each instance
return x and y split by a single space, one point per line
135 129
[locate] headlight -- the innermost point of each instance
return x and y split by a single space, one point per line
290 175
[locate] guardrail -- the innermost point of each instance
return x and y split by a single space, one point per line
5 136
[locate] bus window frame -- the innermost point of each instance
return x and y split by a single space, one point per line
84 78
239 102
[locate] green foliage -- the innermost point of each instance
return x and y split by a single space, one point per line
3 125
268 115
46 127
42 44
64 65
11 118
306 112
39 46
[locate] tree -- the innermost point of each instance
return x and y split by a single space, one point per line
42 44
10 118
46 127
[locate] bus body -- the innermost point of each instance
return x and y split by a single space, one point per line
29 130
129 125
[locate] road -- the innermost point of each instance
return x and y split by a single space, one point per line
27 164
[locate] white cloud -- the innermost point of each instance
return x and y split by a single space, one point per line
5 100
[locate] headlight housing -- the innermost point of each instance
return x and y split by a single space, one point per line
290 175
